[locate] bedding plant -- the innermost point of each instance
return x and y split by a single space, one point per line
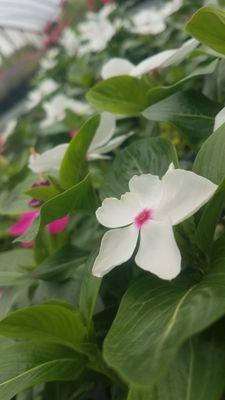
112 233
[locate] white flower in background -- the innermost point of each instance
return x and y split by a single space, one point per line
69 41
46 87
50 59
55 109
96 31
121 66
102 143
220 119
152 20
148 212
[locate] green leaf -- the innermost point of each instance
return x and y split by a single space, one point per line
42 192
189 111
197 373
54 323
156 317
60 265
210 158
80 197
161 92
152 155
120 94
208 26
11 263
209 219
25 365
89 291
74 165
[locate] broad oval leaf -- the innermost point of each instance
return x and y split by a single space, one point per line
210 158
156 317
25 365
208 26
152 155
74 165
120 94
191 112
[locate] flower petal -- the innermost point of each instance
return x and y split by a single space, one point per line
220 119
158 252
24 222
116 67
181 53
59 225
116 248
104 131
184 192
147 189
115 213
50 160
113 144
152 63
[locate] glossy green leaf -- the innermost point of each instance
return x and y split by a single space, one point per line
60 265
191 112
120 94
152 155
54 323
161 92
209 219
25 365
208 26
156 317
42 192
196 373
74 165
210 158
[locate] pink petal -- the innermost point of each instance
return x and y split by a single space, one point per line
24 222
58 225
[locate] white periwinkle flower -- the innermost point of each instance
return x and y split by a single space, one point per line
153 20
8 129
149 211
219 119
96 31
55 109
69 41
46 87
50 59
101 144
121 66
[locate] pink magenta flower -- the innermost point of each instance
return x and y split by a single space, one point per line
74 132
144 217
27 218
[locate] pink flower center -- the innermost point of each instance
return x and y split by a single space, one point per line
143 217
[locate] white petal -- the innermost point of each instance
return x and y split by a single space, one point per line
50 160
170 7
104 131
115 213
114 143
116 248
147 188
158 252
181 53
152 62
116 67
184 192
220 119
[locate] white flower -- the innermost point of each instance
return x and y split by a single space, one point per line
149 211
220 119
153 20
96 31
46 87
55 109
69 41
102 143
121 66
49 61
